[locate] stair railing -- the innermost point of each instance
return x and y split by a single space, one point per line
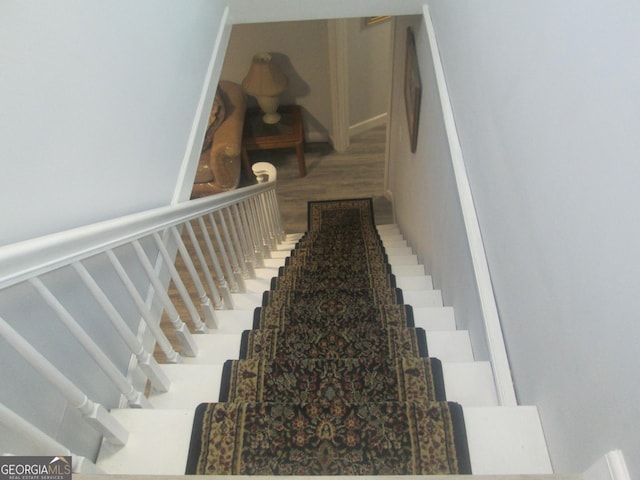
108 283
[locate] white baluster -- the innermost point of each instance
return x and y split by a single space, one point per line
231 279
189 348
217 299
165 345
233 258
235 241
205 303
263 200
42 443
247 251
263 238
222 282
94 413
199 327
275 209
252 237
134 398
145 359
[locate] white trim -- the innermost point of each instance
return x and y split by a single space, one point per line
339 83
367 124
34 257
192 153
387 148
316 137
611 466
493 330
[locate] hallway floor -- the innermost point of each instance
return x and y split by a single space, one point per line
358 172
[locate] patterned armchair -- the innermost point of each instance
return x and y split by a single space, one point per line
220 161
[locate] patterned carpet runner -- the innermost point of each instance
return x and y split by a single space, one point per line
334 379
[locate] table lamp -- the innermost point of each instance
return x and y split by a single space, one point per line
266 82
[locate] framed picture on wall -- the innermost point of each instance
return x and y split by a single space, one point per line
412 89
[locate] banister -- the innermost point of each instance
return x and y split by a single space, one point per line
22 260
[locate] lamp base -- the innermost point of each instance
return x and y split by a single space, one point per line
271 118
269 106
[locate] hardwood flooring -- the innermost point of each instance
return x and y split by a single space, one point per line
356 173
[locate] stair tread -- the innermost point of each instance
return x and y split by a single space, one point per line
408 270
148 450
395 260
215 348
422 298
398 251
414 282
506 440
450 346
246 301
502 440
233 321
469 383
191 384
434 318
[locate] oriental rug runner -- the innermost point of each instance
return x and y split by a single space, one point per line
334 379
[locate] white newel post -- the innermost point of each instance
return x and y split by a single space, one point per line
134 398
189 347
94 413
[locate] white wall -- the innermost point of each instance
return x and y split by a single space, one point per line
369 56
424 192
300 49
546 98
100 103
98 99
250 11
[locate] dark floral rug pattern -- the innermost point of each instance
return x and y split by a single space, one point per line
334 379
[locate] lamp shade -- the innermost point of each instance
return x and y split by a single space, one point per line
264 78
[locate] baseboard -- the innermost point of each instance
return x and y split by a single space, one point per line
388 194
490 317
317 137
611 466
368 124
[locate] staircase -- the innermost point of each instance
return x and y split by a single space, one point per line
502 440
150 434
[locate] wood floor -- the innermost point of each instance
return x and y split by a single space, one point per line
356 173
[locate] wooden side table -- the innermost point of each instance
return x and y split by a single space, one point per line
287 133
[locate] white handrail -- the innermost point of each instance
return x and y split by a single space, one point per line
22 260
160 231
